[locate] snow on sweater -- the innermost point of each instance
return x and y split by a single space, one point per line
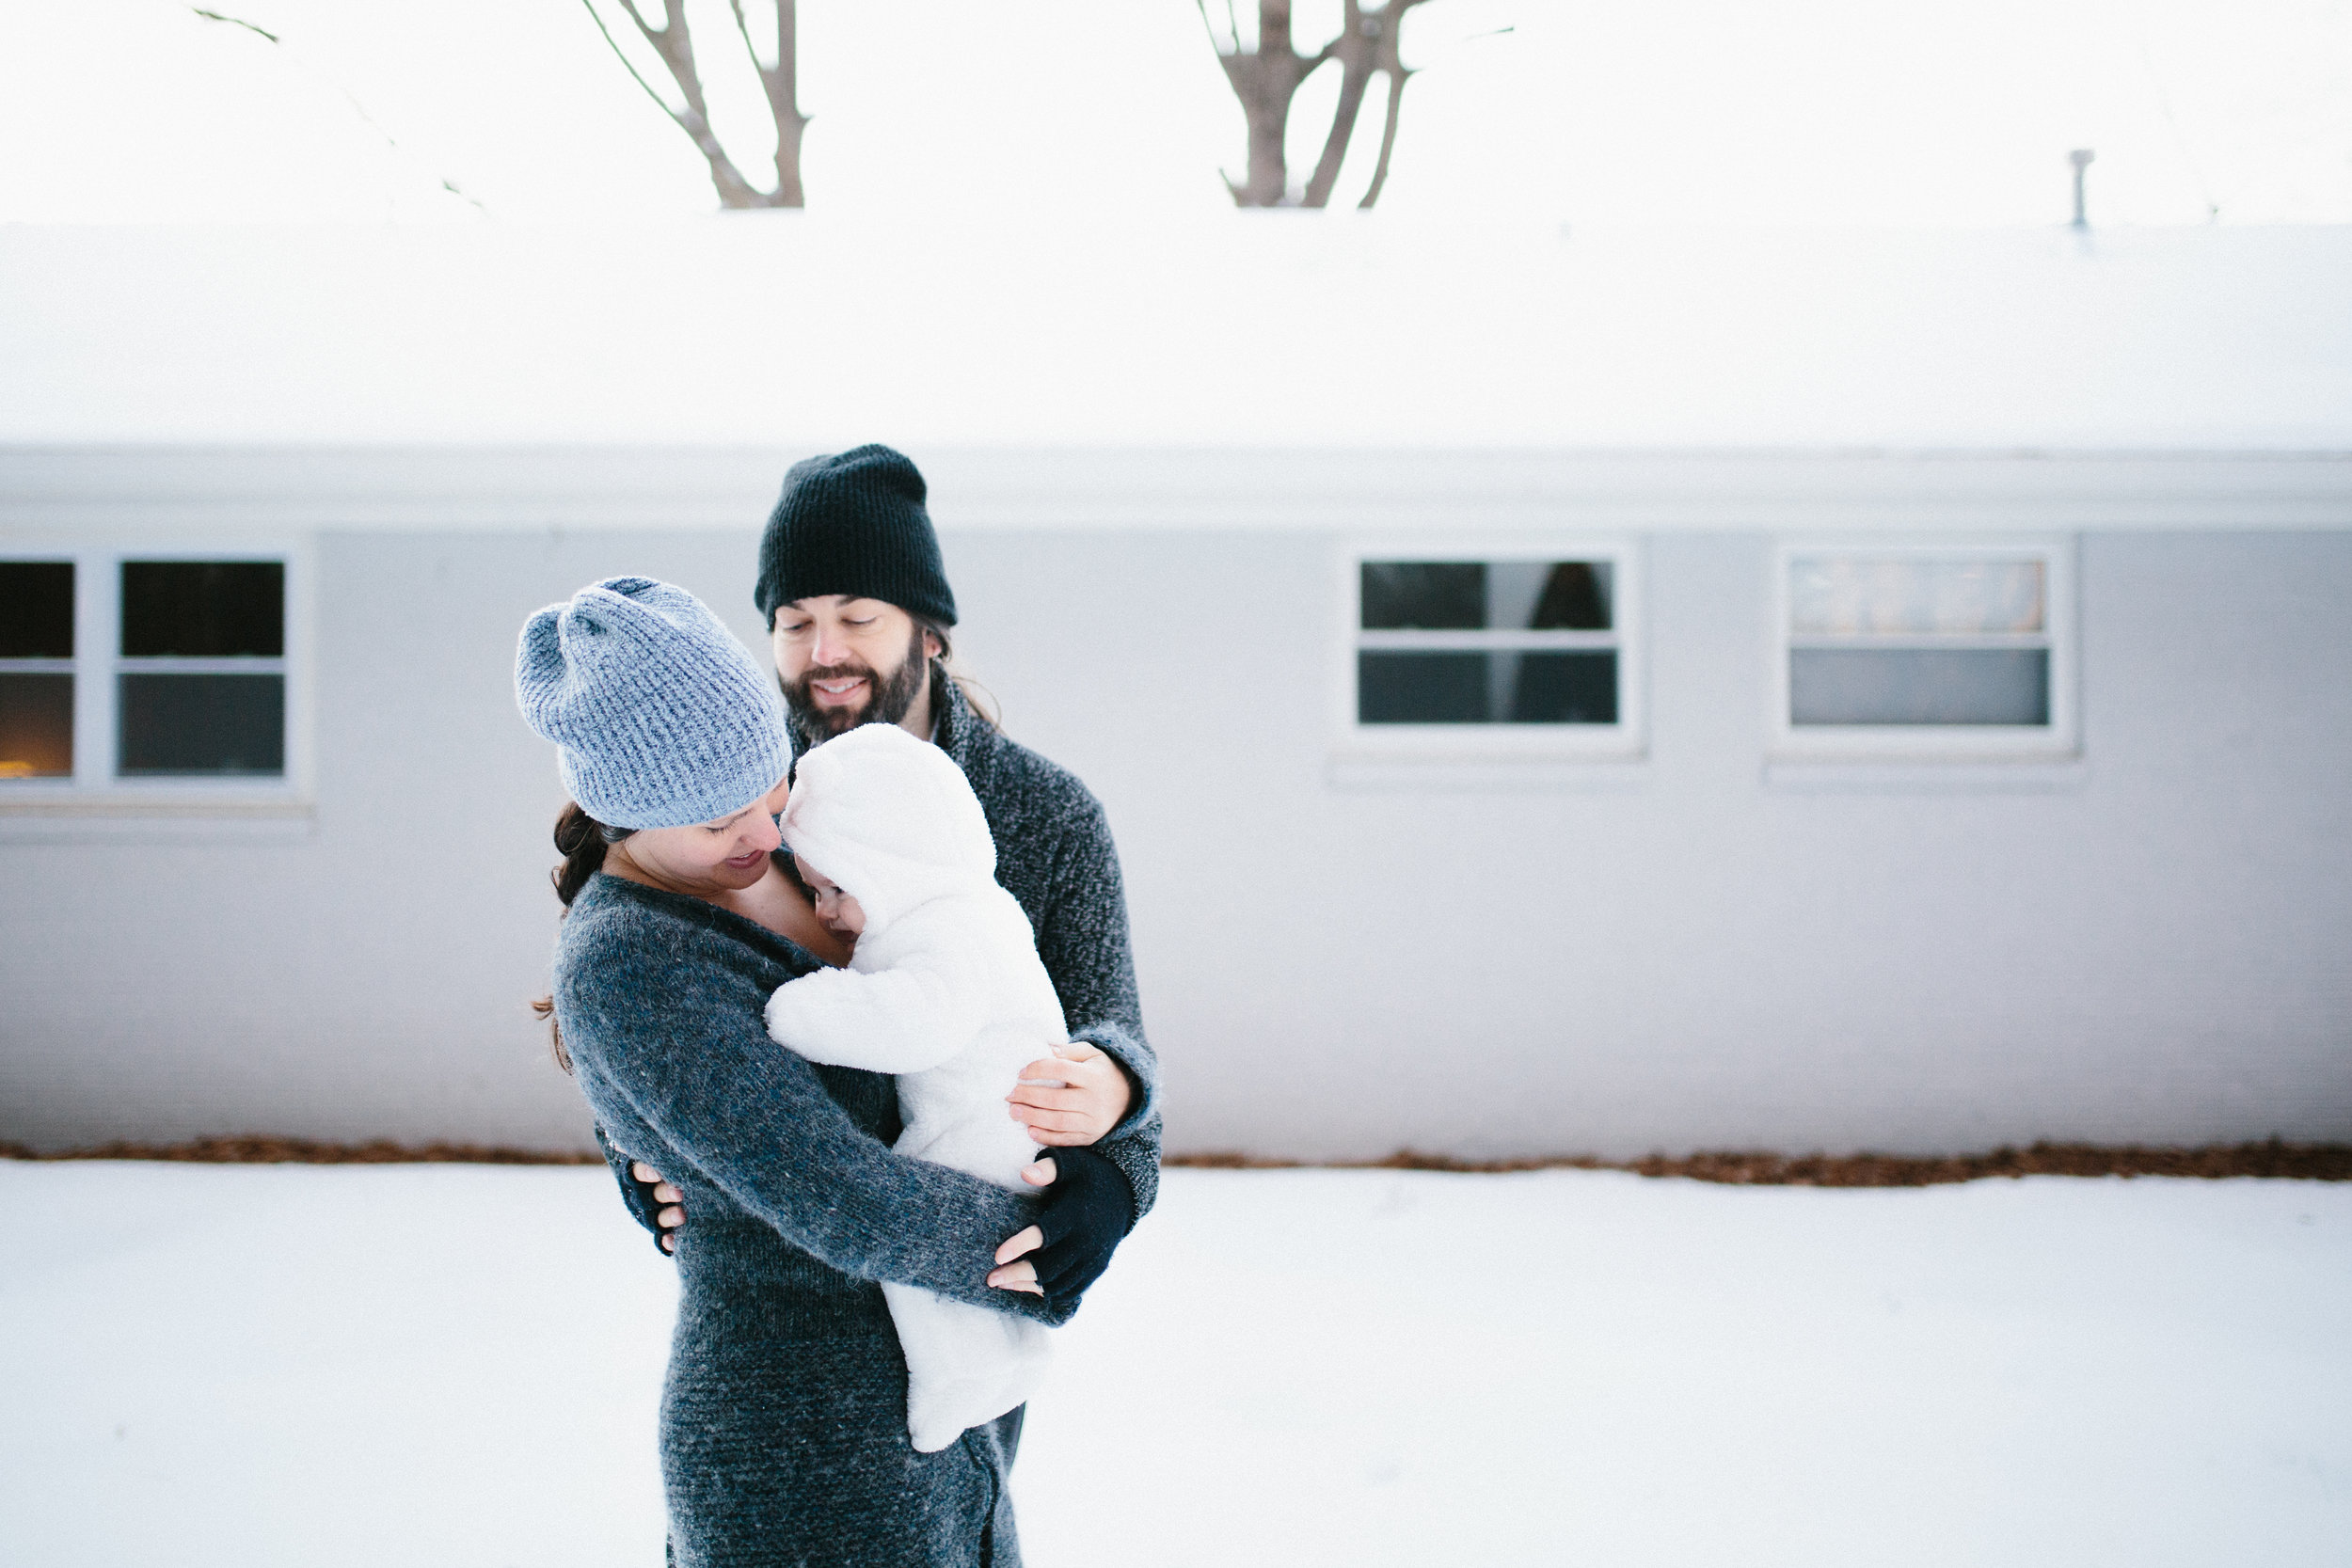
945 991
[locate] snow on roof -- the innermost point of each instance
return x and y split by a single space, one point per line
1255 330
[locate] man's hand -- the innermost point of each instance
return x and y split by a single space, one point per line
669 1218
1072 1097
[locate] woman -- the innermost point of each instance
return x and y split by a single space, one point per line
782 1424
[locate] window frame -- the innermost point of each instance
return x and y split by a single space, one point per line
2060 740
1500 745
98 663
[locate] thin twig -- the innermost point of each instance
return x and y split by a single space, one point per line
348 96
1388 138
236 21
1210 27
635 75
743 31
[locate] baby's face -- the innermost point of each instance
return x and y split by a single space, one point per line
836 910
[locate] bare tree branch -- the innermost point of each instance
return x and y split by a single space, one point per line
1356 47
236 21
1266 79
357 107
660 103
782 85
674 42
1210 27
1388 139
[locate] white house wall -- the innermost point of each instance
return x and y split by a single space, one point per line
1677 954
2154 949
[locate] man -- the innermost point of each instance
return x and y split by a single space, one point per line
860 614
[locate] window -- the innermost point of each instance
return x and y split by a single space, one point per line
1926 652
1490 654
36 669
123 676
201 684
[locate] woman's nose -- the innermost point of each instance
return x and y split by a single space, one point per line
764 834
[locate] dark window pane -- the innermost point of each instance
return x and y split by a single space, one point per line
36 610
202 724
1565 689
1431 595
203 609
1578 688
1919 685
1575 598
36 726
1421 689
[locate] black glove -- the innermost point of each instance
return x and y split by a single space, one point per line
637 1195
1088 1211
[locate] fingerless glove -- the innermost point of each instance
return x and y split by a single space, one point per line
1088 1208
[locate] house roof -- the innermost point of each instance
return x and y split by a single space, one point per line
1326 331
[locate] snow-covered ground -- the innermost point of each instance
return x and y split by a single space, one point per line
460 1365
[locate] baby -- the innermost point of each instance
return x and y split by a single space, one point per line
945 989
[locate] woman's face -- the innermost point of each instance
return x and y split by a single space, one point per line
724 856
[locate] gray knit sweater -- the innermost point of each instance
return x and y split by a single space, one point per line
783 1426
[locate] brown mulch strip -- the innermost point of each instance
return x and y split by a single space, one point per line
2274 1159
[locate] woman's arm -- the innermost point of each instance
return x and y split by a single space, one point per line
652 1202
663 1024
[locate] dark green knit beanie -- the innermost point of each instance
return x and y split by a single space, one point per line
853 522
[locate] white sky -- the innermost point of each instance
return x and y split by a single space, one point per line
1672 111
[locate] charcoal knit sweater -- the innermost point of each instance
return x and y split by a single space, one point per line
783 1418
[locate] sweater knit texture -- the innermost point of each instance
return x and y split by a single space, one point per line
853 522
660 717
783 1423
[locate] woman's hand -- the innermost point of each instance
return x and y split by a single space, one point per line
674 1212
1072 1097
1015 1271
1070 1245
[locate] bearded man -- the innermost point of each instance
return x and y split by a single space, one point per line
860 615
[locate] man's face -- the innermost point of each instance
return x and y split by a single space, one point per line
845 663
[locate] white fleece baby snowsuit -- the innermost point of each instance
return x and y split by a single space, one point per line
945 991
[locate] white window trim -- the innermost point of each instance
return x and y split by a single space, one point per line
1476 754
93 793
1932 746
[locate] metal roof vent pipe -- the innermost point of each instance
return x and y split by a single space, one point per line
2079 230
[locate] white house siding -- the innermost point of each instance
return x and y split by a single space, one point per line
1673 954
2154 949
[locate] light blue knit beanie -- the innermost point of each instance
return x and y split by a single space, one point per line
660 717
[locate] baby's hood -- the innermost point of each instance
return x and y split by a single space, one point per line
891 819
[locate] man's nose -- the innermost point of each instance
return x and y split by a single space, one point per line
831 647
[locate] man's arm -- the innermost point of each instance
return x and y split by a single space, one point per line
1082 938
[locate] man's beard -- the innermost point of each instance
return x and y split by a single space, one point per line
887 697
